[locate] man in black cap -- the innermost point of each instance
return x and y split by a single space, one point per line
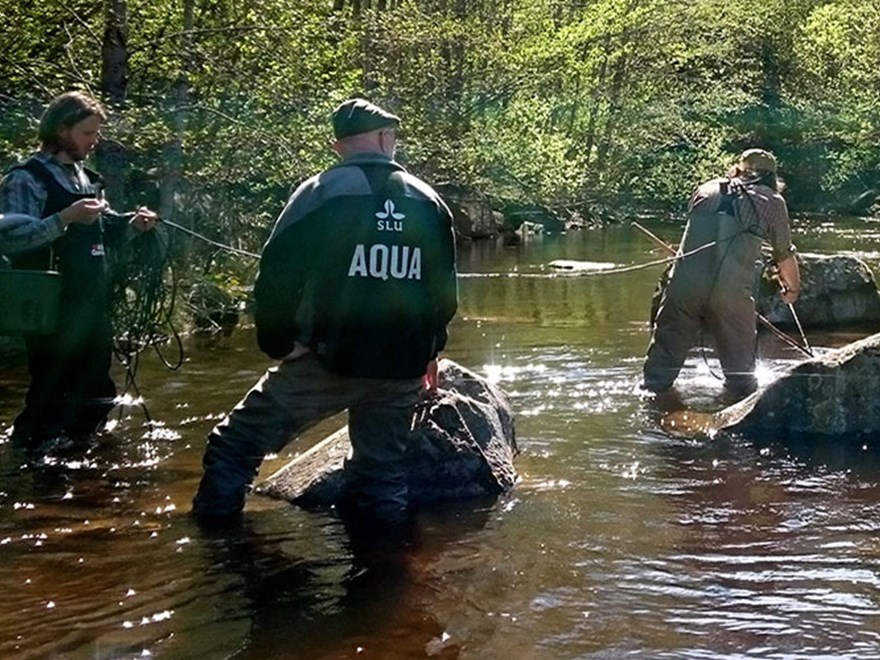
710 284
356 287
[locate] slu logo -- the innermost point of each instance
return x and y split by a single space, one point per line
389 219
389 212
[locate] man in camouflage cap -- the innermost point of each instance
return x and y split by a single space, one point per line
710 284
757 162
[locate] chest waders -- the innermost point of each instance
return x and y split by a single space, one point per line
711 287
727 269
70 389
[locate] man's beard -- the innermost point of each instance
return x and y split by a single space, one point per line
69 147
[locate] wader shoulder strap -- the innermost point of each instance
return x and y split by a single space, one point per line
740 191
725 204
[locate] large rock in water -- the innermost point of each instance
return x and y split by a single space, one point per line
836 394
472 215
463 445
835 290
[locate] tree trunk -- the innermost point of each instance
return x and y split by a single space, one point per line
114 52
173 157
111 156
593 114
615 107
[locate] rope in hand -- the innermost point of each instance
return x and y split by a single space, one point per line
143 290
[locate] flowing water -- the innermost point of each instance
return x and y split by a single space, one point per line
619 540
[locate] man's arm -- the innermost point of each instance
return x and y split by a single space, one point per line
21 204
445 292
278 290
21 193
23 233
773 212
789 278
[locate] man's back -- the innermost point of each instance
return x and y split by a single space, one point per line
360 268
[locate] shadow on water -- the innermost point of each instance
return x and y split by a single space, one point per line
856 455
368 593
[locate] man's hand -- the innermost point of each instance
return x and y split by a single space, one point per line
430 378
144 219
789 278
83 212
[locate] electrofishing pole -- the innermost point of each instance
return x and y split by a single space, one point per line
761 318
807 349
784 288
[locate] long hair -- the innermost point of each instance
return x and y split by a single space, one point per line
764 177
66 111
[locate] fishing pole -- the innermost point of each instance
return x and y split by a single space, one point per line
761 318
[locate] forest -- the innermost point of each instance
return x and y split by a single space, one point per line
594 108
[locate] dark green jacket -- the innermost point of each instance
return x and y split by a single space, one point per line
360 268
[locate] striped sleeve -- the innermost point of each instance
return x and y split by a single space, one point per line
21 233
21 206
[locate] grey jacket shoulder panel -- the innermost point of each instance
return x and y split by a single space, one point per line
314 192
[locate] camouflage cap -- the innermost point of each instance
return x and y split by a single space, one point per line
360 116
757 160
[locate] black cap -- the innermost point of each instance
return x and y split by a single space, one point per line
360 116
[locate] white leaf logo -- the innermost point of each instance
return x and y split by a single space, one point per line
389 212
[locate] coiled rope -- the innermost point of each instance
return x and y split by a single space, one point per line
143 290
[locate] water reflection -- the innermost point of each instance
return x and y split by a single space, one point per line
770 551
358 591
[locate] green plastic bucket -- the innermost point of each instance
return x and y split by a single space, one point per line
28 301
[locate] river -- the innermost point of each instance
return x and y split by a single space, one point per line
618 541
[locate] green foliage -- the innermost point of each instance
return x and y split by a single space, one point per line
610 103
837 82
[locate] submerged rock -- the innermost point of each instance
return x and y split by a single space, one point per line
534 216
575 266
463 445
